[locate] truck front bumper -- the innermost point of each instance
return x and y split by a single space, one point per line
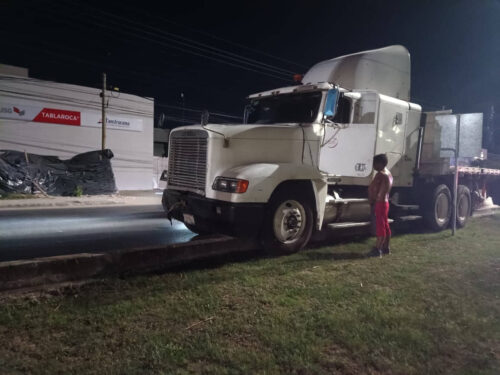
211 215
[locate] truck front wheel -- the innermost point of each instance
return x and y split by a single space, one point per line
437 208
288 223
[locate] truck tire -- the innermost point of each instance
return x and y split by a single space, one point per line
437 208
288 223
464 205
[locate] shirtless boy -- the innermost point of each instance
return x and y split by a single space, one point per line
378 196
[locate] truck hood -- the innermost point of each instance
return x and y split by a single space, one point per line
251 131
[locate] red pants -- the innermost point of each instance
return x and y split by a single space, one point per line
382 219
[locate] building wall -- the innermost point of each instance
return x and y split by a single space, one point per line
129 126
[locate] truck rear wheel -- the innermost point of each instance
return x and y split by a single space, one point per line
288 224
464 204
437 209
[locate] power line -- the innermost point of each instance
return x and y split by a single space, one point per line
171 106
98 65
193 43
202 32
43 84
125 71
94 104
71 57
140 33
238 44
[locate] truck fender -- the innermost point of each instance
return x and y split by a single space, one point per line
264 178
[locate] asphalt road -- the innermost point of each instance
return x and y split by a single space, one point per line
31 233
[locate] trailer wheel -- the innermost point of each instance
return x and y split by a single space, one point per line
437 210
288 224
464 204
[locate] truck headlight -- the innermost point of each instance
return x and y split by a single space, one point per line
230 185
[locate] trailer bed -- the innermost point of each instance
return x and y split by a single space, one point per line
479 171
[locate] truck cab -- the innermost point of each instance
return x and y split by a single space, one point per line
303 156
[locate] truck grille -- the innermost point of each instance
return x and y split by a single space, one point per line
187 160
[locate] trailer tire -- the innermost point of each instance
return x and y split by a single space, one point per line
437 208
464 204
288 223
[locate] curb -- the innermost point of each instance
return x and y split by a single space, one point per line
66 269
26 274
55 203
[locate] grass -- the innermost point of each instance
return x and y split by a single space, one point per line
78 191
432 307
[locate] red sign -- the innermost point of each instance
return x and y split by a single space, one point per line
58 116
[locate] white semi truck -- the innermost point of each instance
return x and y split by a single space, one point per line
302 160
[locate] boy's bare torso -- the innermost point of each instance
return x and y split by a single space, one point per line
379 188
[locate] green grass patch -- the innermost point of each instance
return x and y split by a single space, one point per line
431 307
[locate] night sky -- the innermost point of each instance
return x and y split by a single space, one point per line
143 47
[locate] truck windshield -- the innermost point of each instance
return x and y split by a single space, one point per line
296 108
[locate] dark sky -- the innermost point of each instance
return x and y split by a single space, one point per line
454 45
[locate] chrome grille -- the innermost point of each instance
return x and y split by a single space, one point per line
187 160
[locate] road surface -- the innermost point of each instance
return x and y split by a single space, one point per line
31 233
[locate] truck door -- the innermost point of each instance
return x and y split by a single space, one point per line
348 148
391 134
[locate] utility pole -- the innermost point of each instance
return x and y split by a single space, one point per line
455 179
103 115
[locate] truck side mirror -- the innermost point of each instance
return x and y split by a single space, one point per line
331 104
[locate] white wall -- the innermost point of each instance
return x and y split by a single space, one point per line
132 145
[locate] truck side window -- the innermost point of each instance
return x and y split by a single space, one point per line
364 111
343 111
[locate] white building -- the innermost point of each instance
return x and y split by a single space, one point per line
50 118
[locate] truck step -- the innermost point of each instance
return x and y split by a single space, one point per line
354 224
346 200
408 218
351 224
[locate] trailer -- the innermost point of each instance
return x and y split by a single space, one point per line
302 160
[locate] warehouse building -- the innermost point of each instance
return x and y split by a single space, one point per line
51 118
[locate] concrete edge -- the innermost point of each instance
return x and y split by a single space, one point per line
33 204
33 273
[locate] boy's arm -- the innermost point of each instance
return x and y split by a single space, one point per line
372 189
